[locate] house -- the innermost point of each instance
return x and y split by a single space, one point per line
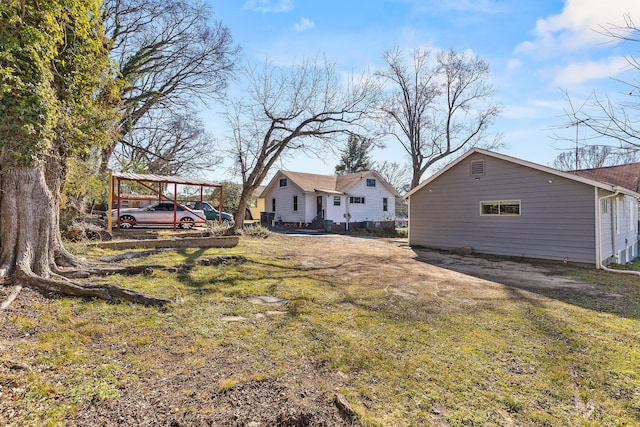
501 205
256 203
347 200
627 176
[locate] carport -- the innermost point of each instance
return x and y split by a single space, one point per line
157 184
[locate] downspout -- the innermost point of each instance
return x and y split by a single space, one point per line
599 238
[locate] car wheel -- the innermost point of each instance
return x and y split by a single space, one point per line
127 221
186 223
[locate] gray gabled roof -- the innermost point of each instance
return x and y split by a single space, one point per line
331 184
567 175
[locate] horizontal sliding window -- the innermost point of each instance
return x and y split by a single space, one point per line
502 207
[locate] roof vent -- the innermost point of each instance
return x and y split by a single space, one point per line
477 167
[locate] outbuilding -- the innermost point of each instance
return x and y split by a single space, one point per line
496 204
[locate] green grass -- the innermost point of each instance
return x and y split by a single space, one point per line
555 360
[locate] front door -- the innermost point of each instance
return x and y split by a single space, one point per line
319 204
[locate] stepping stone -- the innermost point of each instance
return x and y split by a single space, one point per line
234 319
266 300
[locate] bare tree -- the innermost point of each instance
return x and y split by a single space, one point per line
399 176
593 156
299 108
615 119
168 143
170 54
437 107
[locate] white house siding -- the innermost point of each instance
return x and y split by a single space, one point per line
310 206
606 235
371 210
557 219
335 213
284 202
618 222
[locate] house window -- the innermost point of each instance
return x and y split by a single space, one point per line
371 182
604 208
477 167
295 203
283 182
385 204
336 200
273 205
503 207
356 200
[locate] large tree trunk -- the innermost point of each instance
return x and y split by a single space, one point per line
30 239
28 219
245 195
55 174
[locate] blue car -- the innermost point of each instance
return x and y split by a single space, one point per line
211 213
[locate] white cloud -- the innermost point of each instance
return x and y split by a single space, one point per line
268 6
513 64
580 72
304 24
579 25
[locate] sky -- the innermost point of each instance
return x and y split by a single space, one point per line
537 51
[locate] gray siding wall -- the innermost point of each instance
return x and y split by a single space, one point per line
557 219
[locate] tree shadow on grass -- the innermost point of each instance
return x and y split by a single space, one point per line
576 285
224 274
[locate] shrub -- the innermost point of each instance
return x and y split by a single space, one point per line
256 230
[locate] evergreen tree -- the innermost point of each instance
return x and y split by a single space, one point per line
355 156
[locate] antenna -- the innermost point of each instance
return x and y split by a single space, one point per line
576 124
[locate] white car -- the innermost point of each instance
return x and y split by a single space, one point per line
159 214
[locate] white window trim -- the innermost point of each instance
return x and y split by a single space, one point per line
498 202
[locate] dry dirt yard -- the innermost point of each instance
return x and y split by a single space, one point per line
407 271
191 397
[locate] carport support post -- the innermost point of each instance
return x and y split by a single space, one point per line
110 202
118 202
220 207
175 206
